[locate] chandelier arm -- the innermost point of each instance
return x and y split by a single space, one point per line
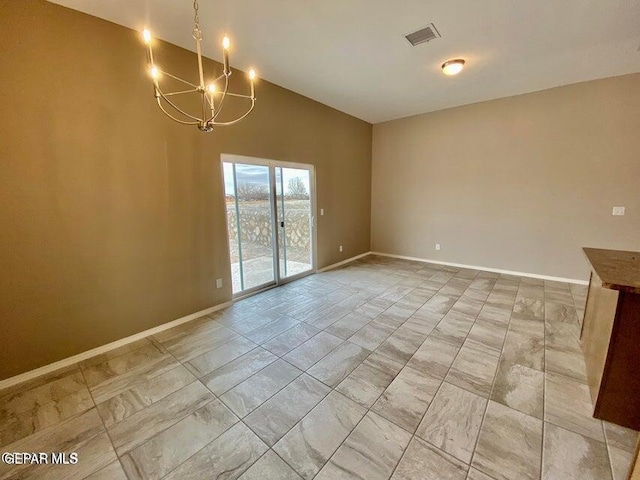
172 117
178 78
233 122
176 108
181 92
240 95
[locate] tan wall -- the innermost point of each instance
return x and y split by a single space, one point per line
519 183
112 217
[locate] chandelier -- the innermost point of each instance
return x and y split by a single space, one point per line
212 94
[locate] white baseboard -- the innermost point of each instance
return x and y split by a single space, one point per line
486 269
65 362
335 265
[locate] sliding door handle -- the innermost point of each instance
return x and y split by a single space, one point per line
282 224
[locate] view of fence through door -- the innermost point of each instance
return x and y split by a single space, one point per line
270 222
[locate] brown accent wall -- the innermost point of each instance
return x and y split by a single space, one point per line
520 183
112 217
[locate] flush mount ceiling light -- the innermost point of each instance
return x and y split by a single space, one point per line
212 94
453 67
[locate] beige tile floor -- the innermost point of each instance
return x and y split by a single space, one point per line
382 369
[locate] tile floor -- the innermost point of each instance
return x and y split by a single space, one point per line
382 369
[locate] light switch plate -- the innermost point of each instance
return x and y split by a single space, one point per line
618 211
218 283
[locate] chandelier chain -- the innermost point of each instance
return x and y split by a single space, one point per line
197 33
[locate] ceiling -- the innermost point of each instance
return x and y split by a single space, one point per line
352 54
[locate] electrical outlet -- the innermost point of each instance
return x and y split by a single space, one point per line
437 246
321 211
340 247
618 211
218 283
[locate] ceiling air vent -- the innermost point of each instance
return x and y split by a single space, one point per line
423 35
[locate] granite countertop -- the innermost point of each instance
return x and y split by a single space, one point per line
618 270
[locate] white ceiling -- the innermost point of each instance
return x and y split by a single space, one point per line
351 54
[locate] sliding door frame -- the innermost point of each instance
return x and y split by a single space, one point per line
275 233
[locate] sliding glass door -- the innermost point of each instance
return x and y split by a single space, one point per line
250 225
293 200
270 221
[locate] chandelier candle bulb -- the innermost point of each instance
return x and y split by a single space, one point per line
252 77
212 105
146 36
155 74
226 43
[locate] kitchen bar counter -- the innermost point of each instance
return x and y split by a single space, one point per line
618 270
611 335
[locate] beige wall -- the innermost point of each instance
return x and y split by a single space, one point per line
519 183
111 216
